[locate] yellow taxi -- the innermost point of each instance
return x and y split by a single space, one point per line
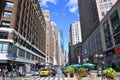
45 72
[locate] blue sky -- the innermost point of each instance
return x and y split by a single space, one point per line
63 13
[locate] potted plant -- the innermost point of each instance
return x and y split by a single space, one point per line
110 73
70 71
83 72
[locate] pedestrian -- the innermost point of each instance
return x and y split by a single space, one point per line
4 73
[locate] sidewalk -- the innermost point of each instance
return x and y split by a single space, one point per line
74 78
14 78
91 77
8 78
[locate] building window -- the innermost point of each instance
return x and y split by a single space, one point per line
103 13
27 55
3 35
5 24
115 21
104 0
107 35
33 57
9 4
106 6
100 1
21 53
110 5
0 47
117 39
106 12
3 47
7 14
101 7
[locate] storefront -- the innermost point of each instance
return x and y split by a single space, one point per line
110 59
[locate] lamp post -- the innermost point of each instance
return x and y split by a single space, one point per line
100 57
12 59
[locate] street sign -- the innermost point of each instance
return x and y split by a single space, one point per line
9 55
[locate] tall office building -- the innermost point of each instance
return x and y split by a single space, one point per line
75 31
56 44
103 6
61 40
75 37
49 37
91 13
22 35
88 17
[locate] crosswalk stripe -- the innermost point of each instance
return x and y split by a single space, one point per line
37 78
51 78
47 78
61 78
42 78
56 79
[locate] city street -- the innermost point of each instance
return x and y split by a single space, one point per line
59 39
59 76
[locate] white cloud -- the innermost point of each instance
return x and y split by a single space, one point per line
44 2
72 5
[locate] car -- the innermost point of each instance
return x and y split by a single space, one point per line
45 72
35 73
53 72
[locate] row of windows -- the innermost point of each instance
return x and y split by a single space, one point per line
106 6
100 1
115 21
7 14
8 48
4 35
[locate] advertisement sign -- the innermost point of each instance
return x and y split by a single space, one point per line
78 59
110 52
117 51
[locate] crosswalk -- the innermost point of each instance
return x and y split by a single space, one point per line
45 78
49 78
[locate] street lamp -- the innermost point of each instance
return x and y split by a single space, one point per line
100 57
12 59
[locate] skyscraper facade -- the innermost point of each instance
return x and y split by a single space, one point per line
61 40
75 38
103 6
22 34
49 37
56 47
75 31
88 17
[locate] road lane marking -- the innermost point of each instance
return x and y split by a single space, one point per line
51 78
47 78
42 78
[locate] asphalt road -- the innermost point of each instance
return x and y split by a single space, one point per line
59 76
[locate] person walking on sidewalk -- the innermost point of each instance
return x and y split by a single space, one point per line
4 72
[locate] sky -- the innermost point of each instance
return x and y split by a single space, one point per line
63 13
